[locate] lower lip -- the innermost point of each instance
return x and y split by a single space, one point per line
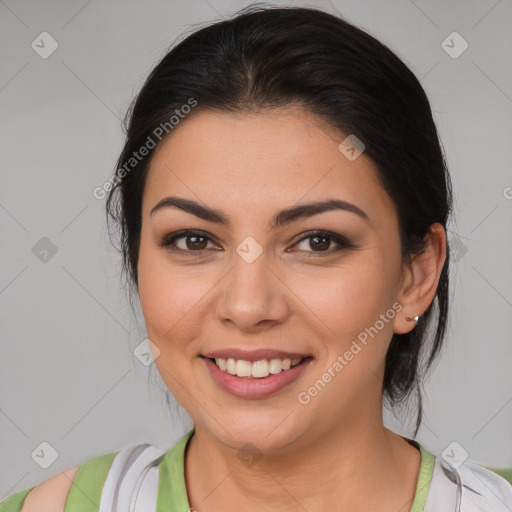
257 387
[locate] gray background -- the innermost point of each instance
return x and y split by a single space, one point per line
68 374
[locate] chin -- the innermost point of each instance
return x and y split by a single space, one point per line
267 432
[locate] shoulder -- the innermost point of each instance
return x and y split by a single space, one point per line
126 477
482 486
467 486
64 490
51 494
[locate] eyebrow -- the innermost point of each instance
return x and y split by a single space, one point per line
280 219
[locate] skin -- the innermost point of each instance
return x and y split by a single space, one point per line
333 452
50 495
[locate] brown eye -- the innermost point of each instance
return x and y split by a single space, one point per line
195 242
321 242
190 242
186 241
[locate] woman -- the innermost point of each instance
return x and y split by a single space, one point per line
282 199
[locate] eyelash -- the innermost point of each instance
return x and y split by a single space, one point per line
168 240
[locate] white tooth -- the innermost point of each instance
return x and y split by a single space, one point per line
260 368
275 366
243 368
231 366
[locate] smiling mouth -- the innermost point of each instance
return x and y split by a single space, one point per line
256 369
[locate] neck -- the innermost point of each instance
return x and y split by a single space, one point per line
364 467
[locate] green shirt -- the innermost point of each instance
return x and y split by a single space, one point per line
85 492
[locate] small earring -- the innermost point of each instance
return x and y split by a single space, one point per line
415 319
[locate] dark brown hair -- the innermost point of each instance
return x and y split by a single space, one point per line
277 56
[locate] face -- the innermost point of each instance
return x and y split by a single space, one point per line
248 279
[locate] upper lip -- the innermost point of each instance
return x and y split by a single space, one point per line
253 355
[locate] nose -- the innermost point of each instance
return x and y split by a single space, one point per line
254 296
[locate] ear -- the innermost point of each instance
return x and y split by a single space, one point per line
421 278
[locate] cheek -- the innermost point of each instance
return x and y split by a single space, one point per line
350 303
351 295
174 298
164 296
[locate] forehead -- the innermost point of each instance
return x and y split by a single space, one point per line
270 159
